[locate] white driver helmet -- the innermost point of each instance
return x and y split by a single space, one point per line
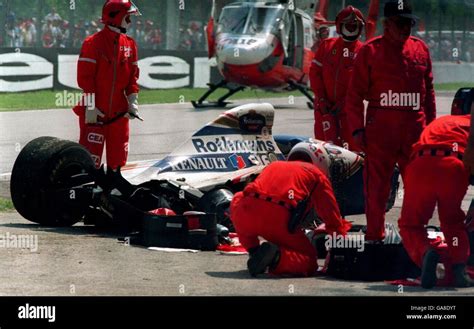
313 152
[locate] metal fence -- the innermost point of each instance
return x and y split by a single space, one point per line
164 24
446 26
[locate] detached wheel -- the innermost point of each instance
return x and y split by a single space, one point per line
44 165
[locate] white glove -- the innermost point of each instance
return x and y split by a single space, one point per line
91 115
132 106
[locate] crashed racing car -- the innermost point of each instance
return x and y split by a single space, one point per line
55 183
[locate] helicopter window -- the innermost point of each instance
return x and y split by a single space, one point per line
233 19
249 20
263 20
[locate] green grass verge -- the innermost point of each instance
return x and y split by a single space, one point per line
453 86
46 99
6 205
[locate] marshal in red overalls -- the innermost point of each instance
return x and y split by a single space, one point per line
262 210
394 74
329 75
108 70
437 176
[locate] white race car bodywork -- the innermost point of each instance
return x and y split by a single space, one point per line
231 148
237 144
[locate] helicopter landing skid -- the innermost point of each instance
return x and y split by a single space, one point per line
202 103
304 90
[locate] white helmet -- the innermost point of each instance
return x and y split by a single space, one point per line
311 151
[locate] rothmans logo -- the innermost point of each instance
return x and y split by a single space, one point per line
252 121
223 144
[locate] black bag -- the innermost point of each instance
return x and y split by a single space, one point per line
297 214
173 232
377 262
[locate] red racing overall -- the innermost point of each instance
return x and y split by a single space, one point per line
329 76
382 71
437 176
107 69
278 188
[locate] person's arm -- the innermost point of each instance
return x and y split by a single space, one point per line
86 78
87 68
430 101
316 78
327 208
132 88
356 93
469 152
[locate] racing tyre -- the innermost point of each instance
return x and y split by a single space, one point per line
44 166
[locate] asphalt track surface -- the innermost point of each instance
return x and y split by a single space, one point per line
80 260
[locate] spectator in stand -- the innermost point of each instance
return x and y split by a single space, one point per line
20 27
79 34
156 38
87 28
184 39
138 34
446 49
53 15
12 32
431 43
148 33
196 36
30 34
66 33
469 51
94 27
47 37
57 33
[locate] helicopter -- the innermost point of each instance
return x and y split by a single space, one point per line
263 45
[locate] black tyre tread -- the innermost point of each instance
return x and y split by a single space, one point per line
36 168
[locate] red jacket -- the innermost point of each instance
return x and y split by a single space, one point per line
108 68
291 182
449 132
331 69
383 67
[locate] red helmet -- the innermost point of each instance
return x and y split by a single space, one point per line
114 11
350 15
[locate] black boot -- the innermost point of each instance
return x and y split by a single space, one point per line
428 269
266 256
461 278
470 261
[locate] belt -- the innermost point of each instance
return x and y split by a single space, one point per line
268 199
439 152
